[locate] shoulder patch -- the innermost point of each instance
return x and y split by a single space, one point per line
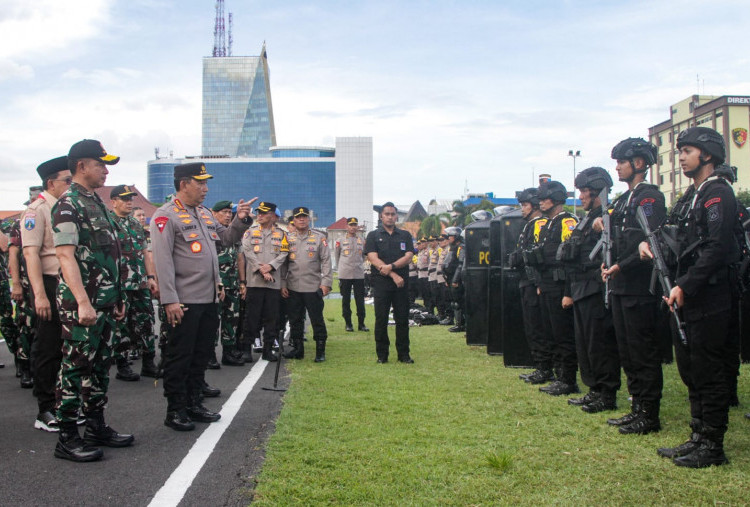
711 202
161 222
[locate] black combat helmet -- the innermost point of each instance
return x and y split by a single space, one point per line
529 195
707 140
727 172
553 190
633 147
595 178
480 215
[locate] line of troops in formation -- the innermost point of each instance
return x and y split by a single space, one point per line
588 296
83 279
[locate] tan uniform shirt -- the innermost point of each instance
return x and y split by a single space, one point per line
441 260
423 262
264 246
308 263
349 258
432 269
184 242
36 230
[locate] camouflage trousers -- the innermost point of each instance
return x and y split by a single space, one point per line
26 325
84 372
7 325
230 317
136 330
163 328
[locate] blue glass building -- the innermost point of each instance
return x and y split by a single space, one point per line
237 108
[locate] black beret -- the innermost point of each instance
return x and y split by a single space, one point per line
53 166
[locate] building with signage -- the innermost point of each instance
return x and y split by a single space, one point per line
333 182
728 114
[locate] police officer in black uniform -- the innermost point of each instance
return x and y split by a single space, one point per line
390 250
457 286
634 308
449 271
560 225
705 291
596 345
536 329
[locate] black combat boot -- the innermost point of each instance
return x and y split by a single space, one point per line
208 391
362 326
197 412
297 351
587 398
605 401
541 377
179 420
710 452
646 422
18 367
268 354
71 446
213 364
349 327
686 448
148 368
124 371
228 357
27 381
320 351
628 418
98 433
559 388
525 376
447 320
247 350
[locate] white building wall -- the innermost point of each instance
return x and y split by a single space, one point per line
354 179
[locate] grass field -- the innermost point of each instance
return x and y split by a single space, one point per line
458 428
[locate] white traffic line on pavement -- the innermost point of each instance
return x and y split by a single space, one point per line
172 492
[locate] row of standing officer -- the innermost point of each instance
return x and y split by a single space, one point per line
437 276
600 316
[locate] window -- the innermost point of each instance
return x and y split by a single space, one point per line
660 140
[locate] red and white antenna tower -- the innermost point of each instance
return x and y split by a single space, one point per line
220 48
229 35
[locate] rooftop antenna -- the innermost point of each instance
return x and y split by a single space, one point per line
156 152
229 35
220 48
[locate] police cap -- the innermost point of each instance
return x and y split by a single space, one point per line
300 211
195 170
121 191
266 207
90 148
352 221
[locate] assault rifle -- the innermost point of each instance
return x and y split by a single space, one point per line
660 269
605 242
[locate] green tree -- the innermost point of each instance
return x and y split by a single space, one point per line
433 224
743 197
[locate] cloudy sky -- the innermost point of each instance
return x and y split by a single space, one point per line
480 93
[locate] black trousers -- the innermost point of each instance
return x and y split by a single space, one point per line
706 365
635 319
457 295
596 345
436 299
537 330
297 303
345 287
413 289
424 288
398 300
189 345
262 312
46 351
563 335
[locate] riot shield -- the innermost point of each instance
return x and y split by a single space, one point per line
476 278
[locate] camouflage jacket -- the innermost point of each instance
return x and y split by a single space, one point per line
5 228
133 244
228 271
14 239
79 218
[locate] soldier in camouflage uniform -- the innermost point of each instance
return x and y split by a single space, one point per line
230 302
89 300
136 330
21 294
7 325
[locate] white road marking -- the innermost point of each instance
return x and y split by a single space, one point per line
178 483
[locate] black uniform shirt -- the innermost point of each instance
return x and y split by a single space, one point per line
390 248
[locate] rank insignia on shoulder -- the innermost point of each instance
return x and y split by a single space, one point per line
209 222
183 215
192 235
257 233
186 221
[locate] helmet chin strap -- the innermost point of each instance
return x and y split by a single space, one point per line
703 162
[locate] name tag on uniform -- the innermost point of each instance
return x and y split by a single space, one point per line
403 246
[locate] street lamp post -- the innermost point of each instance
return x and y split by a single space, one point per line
575 154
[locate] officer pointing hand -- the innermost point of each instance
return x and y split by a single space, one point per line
243 208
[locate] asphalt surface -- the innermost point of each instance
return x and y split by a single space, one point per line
31 475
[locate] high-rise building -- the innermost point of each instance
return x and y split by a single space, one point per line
729 115
237 109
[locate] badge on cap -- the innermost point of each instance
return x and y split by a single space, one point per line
196 247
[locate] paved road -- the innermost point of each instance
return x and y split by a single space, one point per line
31 475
